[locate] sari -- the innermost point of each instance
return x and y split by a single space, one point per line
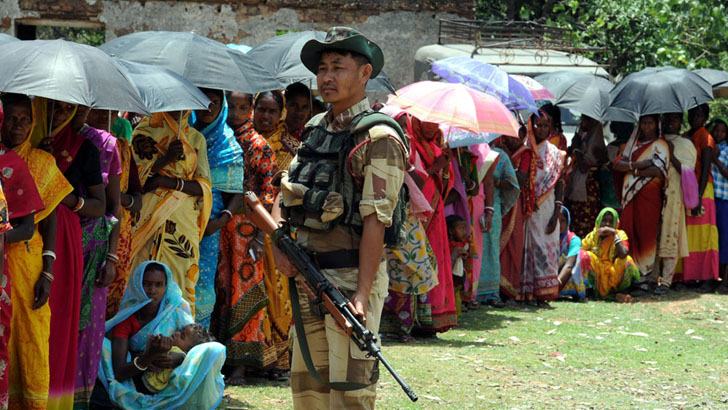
241 293
512 235
436 310
642 200
171 224
583 193
505 197
95 244
606 273
539 278
29 353
195 384
226 176
570 246
703 260
673 243
123 268
278 313
65 299
5 304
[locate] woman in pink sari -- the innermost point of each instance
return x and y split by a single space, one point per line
435 309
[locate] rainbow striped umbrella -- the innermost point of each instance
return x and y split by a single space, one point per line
456 105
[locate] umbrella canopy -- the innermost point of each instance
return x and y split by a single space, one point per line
282 54
5 37
486 78
718 79
538 91
203 61
67 71
456 105
660 90
163 90
585 93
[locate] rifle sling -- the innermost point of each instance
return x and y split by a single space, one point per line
303 345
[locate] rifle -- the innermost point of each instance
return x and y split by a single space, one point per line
319 288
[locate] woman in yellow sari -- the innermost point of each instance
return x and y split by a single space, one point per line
605 260
177 199
28 345
269 120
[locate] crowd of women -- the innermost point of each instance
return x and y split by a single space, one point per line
128 256
532 219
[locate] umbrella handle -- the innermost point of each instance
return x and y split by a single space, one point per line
179 125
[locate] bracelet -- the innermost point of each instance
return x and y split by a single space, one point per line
490 210
131 202
558 203
139 367
258 240
50 253
630 165
48 276
225 211
176 188
81 202
112 257
182 185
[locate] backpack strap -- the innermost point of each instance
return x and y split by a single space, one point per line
367 121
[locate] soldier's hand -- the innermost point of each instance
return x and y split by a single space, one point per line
361 304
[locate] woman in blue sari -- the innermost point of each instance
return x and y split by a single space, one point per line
226 173
505 195
153 305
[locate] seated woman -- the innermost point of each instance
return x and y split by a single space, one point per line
606 263
153 306
571 280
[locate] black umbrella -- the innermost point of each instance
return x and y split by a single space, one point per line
585 93
282 54
203 61
163 90
67 71
659 90
717 78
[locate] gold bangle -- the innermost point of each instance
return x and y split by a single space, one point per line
81 202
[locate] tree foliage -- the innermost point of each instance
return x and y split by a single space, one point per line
637 33
92 37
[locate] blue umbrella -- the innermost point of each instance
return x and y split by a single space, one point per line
486 78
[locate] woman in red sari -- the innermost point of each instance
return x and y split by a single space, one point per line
436 309
512 236
645 161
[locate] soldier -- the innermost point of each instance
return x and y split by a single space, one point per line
340 194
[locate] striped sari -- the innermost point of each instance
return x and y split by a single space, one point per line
171 223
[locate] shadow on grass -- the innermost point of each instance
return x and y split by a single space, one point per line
230 403
672 296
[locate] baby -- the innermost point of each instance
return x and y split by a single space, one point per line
182 341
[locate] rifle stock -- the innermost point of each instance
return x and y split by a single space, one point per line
319 288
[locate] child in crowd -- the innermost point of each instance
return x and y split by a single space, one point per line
460 252
719 130
182 341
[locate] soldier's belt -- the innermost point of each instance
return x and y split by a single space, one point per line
345 258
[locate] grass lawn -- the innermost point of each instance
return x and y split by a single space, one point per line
667 353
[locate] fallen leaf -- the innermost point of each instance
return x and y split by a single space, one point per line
550 332
696 337
689 332
433 398
556 323
640 334
515 339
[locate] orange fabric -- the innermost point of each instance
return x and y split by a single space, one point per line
702 139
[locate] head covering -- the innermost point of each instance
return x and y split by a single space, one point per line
346 39
565 212
603 213
283 144
173 313
65 141
223 153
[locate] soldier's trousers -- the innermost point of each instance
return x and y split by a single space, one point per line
336 358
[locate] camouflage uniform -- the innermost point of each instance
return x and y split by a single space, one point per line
381 164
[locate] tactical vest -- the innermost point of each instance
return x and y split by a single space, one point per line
323 166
